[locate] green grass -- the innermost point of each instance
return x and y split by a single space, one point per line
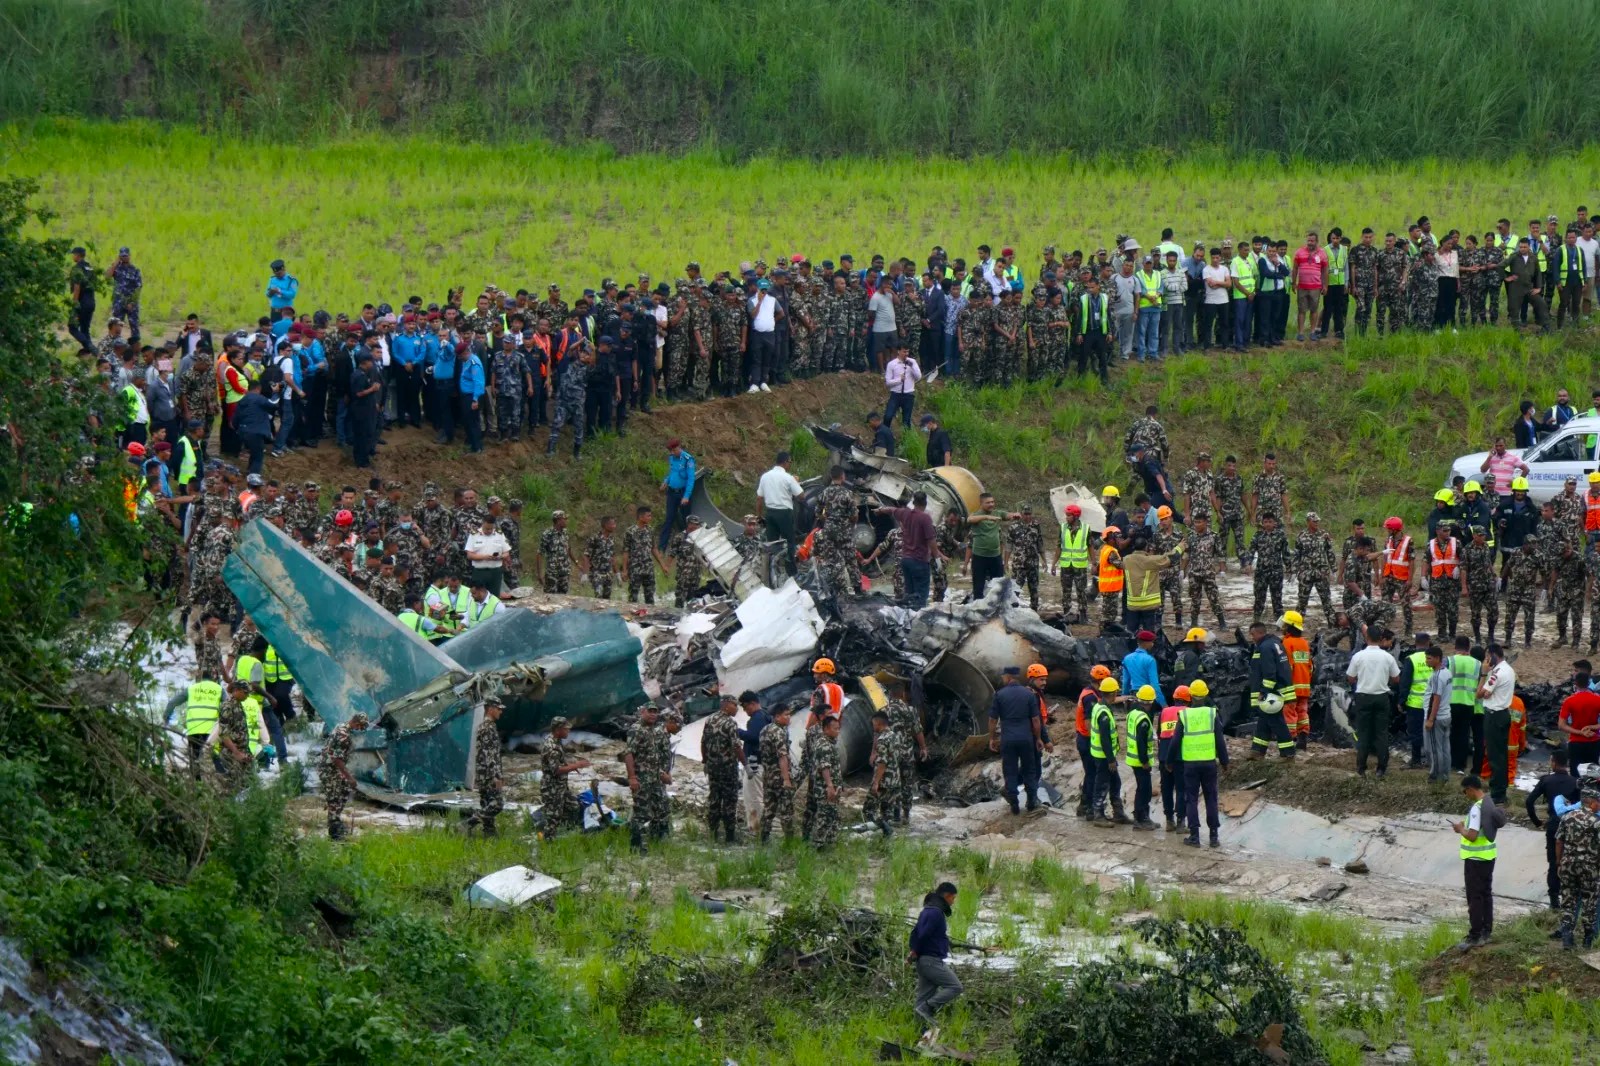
1330 80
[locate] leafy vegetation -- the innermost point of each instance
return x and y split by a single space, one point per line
1364 80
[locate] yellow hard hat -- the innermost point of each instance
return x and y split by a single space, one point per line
1594 477
1111 490
1292 618
1199 689
1445 496
822 666
1195 634
1519 484
1471 486
1109 685
1145 692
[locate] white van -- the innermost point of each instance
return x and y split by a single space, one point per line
1568 452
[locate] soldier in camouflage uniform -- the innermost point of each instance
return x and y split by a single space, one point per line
1203 560
600 556
1230 504
704 341
553 308
1400 590
855 316
802 328
887 557
1006 325
208 649
197 393
509 376
906 724
556 798
407 539
389 593
834 323
571 394
1492 261
972 338
435 521
1198 485
649 761
1363 279
908 315
1422 289
1392 263
486 764
1270 552
555 556
509 526
1313 566
639 558
1524 573
334 778
1569 510
1025 545
126 283
731 319
1591 563
1365 611
1035 319
1571 582
210 591
721 752
686 565
825 782
1469 261
1477 569
1148 433
834 547
1578 845
233 738
888 751
952 541
680 342
777 777
750 547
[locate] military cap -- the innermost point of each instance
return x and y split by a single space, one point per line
672 718
1049 249
650 706
311 486
827 264
430 489
1591 794
557 514
608 283
692 520
1040 290
492 500
761 264
1478 531
683 283
1202 455
1312 516
560 721
751 518
515 504
693 265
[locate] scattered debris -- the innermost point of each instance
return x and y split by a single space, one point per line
1236 803
512 887
1356 866
1327 893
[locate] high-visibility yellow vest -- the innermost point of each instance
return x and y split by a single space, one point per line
1083 312
1564 255
1464 682
411 620
229 393
255 721
1482 849
478 613
1147 596
1419 679
276 669
1199 733
1136 717
188 461
245 669
205 702
1244 273
1097 750
1074 548
1338 258
1151 296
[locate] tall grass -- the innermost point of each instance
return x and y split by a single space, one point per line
1326 79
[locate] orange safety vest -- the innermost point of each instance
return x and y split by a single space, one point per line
1443 562
1168 723
1082 723
246 498
1299 653
1397 559
834 694
1111 577
1591 513
1044 709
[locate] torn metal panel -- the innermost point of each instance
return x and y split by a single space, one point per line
730 568
514 886
347 653
988 631
455 800
777 638
1088 501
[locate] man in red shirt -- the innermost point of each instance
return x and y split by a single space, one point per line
918 547
1579 718
1310 282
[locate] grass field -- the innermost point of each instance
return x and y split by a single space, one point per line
371 219
1334 80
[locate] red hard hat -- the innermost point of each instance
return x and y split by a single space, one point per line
344 518
1074 510
1393 523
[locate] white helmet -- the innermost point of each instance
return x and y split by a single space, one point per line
1271 703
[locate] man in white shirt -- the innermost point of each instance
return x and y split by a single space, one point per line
1498 687
764 313
1215 326
1589 247
775 495
901 375
1372 671
487 550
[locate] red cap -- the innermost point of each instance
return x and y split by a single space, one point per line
136 449
1074 510
1144 634
674 443
1007 251
1393 523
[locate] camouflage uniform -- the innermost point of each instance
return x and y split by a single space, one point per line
777 801
1391 271
1313 569
700 311
602 552
554 311
952 546
904 723
437 526
1172 577
802 361
335 789
1369 612
722 752
1363 275
651 748
834 546
491 794
389 594
1271 492
1572 580
1469 307
1356 569
889 563
126 281
1523 578
686 569
1056 340
834 324
554 548
1147 433
908 314
637 544
511 529
208 657
1197 486
1270 548
1005 360
730 321
508 369
1477 561
752 551
855 317
1494 258
210 591
1591 562
1230 494
197 390
1578 833
680 342
571 393
1202 554
1422 292
972 331
888 751
555 795
1026 542
232 724
825 815
1399 590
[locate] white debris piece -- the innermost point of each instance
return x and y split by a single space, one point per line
687 742
511 887
777 636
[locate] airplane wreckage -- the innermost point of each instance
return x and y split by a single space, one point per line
754 629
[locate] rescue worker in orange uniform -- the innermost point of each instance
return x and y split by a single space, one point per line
1398 573
1109 578
1297 705
1086 701
1174 800
1591 509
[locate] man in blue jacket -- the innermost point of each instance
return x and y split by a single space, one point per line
282 288
679 486
1139 667
474 383
937 984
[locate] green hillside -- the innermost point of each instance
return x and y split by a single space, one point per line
1333 80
